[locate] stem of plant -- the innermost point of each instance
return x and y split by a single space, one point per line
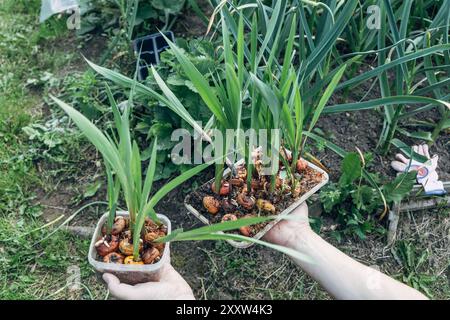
218 177
249 174
295 157
439 127
392 129
390 136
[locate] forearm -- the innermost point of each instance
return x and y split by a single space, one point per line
343 277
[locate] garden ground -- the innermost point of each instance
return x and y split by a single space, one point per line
45 176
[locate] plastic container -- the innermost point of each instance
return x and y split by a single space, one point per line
150 48
288 210
131 274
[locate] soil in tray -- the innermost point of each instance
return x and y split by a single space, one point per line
238 203
117 247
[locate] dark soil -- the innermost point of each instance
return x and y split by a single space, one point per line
64 194
361 130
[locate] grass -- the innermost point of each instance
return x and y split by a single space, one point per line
40 272
29 58
14 114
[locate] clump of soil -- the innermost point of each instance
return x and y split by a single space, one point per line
189 24
234 201
117 247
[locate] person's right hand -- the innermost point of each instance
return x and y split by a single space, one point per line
286 232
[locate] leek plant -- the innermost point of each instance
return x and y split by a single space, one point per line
357 37
316 28
316 42
405 74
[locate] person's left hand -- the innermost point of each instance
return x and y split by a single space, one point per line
171 286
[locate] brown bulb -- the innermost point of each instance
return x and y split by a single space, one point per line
301 165
225 188
245 201
113 257
150 255
211 204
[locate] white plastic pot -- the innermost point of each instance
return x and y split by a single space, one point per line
288 210
130 274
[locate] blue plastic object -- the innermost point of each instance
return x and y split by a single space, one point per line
150 48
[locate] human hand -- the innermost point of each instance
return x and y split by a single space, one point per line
171 286
426 172
287 232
